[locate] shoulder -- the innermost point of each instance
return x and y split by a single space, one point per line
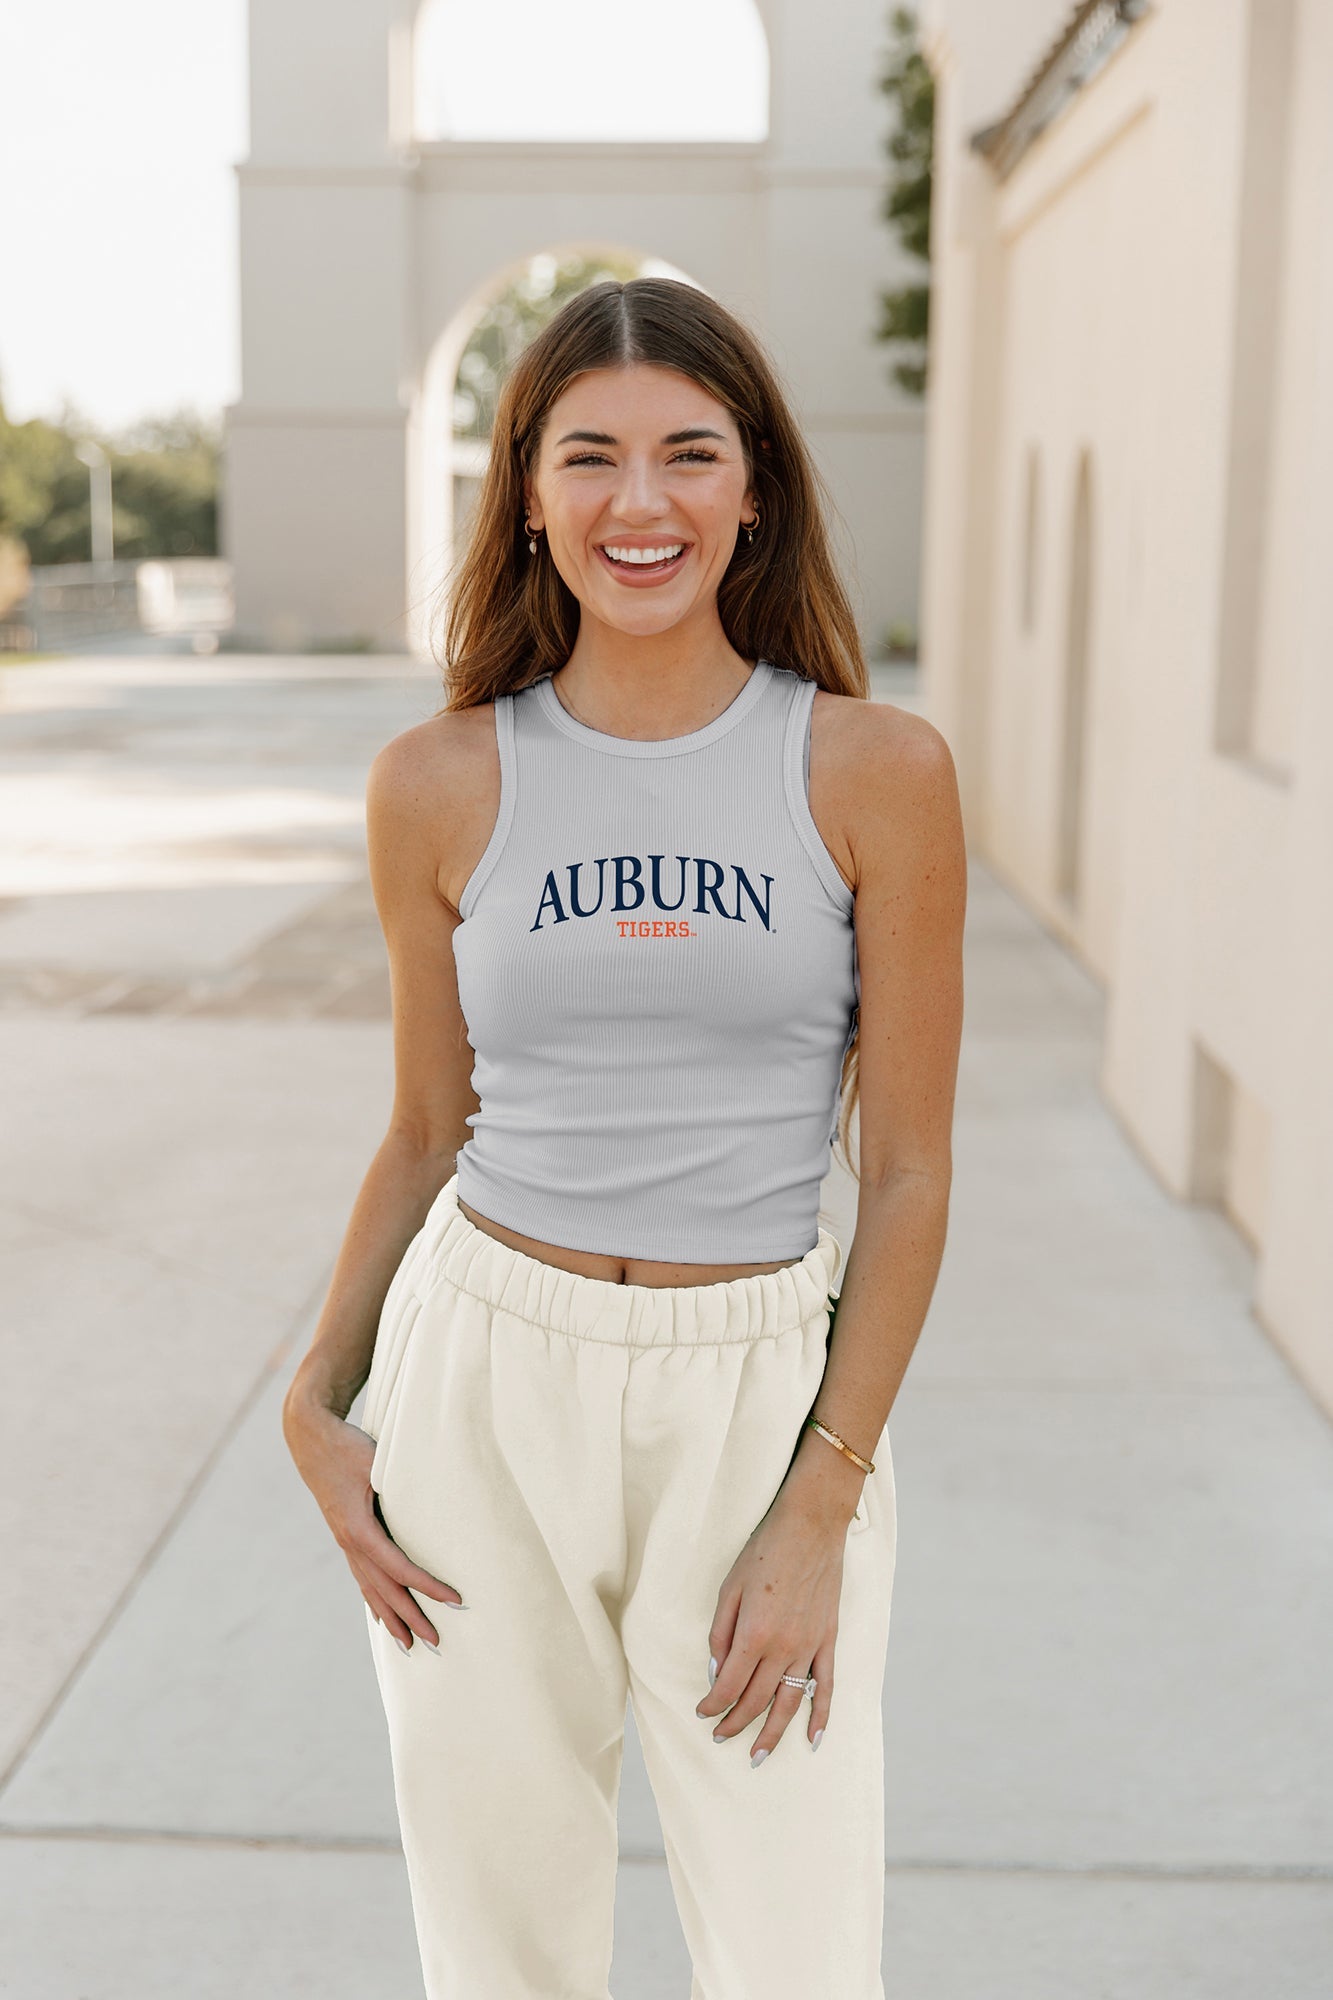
880 749
892 771
448 757
432 794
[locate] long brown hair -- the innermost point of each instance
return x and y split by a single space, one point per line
510 615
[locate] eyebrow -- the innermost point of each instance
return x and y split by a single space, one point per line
673 437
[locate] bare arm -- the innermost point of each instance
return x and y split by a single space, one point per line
418 807
432 1067
777 1608
911 898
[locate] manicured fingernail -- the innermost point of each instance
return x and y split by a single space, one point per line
816 1739
717 1738
712 1670
757 1759
452 1604
400 1644
432 1645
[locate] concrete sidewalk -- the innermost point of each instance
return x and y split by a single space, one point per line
1110 1770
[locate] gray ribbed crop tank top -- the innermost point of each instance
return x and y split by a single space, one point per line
657 967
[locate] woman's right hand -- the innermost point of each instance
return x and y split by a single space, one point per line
334 1458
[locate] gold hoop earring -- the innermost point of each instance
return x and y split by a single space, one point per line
749 527
531 531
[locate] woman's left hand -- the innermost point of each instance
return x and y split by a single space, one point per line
777 1613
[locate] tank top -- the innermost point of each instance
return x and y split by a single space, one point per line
657 967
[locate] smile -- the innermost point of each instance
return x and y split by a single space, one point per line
647 565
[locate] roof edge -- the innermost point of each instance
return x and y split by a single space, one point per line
1093 31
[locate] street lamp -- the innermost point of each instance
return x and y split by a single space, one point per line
99 497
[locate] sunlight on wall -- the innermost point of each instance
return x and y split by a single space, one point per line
590 69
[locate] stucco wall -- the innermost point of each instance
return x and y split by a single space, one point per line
1149 286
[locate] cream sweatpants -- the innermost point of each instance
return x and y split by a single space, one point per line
583 1461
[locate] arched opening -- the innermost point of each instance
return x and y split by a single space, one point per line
1078 629
590 70
450 425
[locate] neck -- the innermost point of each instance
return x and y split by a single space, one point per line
649 688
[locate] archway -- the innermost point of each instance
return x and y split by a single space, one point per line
369 251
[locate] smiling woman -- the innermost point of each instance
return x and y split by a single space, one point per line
660 889
650 508
657 555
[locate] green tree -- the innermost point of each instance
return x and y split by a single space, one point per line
509 323
43 486
907 81
164 485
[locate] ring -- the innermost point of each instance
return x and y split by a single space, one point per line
806 1683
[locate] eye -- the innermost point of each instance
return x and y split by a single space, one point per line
595 457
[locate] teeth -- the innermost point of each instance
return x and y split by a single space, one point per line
643 555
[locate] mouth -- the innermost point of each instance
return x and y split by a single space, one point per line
629 565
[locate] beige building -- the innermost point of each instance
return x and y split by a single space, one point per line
1127 594
369 249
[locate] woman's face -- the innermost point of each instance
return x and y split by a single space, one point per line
633 459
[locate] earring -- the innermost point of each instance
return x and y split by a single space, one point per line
532 546
750 527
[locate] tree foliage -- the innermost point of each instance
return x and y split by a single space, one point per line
907 81
164 486
511 320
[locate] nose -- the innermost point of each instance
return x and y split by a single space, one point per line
640 493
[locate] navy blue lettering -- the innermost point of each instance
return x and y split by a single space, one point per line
743 882
629 872
552 895
631 892
684 861
576 908
708 888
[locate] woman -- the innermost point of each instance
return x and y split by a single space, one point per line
656 883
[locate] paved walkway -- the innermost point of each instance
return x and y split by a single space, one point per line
1110 1770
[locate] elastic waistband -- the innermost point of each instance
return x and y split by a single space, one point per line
734 1309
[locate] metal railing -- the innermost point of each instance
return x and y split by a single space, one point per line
72 601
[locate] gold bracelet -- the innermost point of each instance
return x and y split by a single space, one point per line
866 1464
